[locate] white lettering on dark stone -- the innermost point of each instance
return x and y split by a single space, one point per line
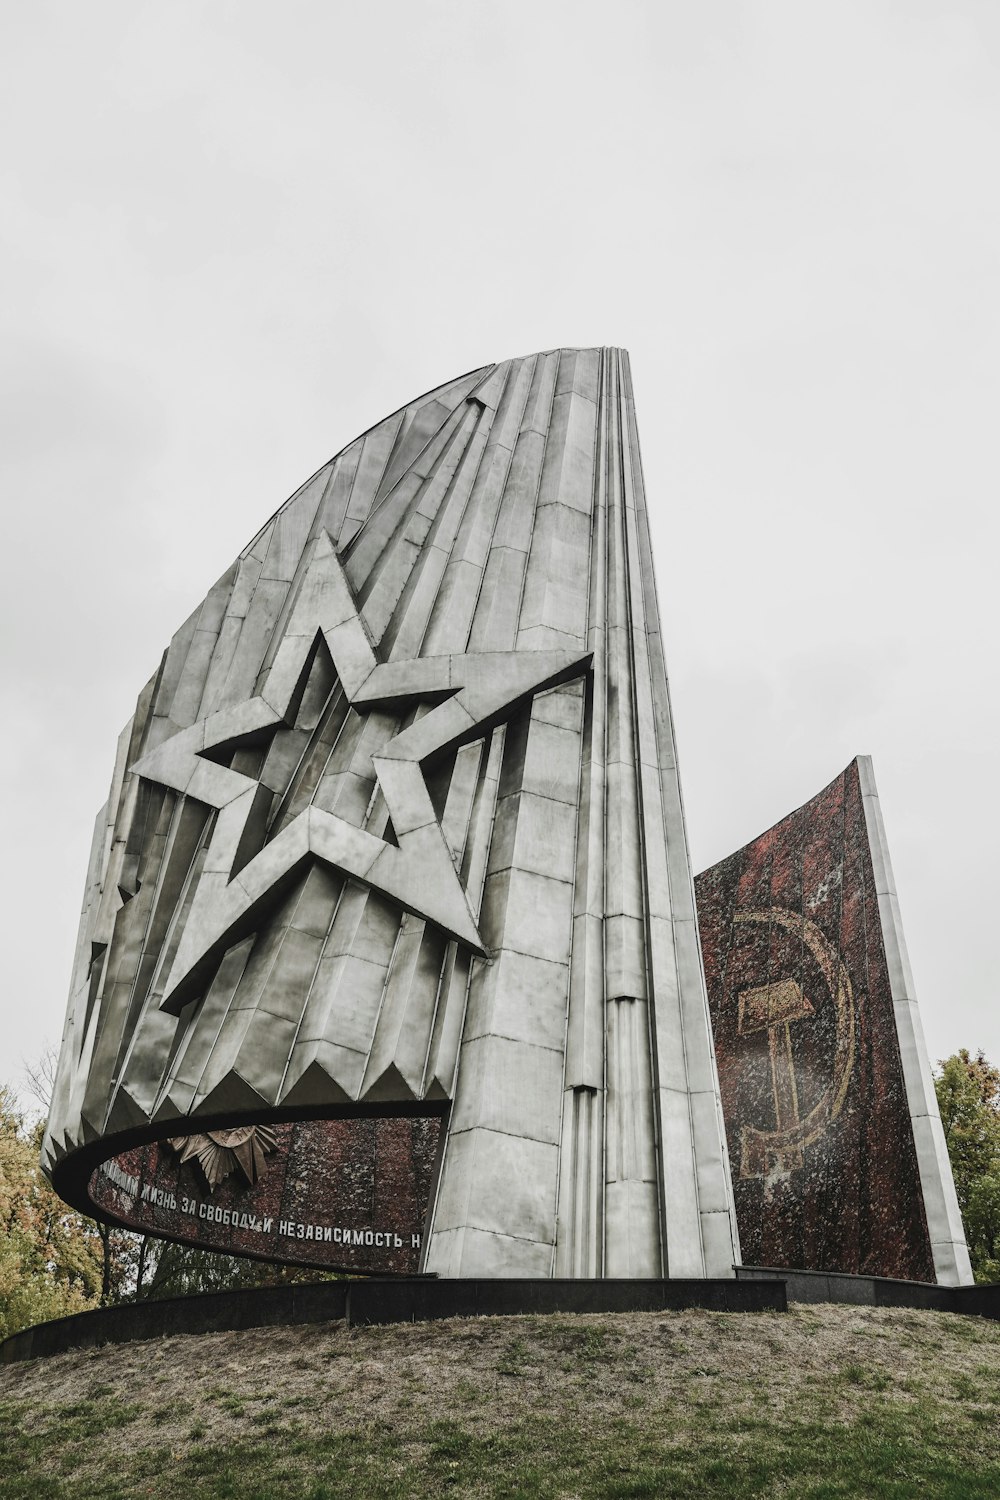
337 1234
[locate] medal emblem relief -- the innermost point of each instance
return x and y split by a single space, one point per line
220 1153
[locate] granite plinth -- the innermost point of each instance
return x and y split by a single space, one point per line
756 1289
878 1291
398 1301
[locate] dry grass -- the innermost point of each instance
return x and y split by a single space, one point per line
822 1401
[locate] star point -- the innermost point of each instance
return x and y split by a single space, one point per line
242 875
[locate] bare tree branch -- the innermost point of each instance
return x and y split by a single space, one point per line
40 1077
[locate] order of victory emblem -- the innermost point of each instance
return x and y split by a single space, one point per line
220 1153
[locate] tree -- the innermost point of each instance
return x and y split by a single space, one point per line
124 1255
968 1092
40 1077
55 1261
50 1260
182 1270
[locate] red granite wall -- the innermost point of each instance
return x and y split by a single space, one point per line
824 1166
346 1195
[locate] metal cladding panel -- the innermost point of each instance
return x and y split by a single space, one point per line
396 830
827 1102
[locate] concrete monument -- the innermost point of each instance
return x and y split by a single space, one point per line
388 957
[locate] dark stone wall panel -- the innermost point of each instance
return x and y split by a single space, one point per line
821 1142
346 1195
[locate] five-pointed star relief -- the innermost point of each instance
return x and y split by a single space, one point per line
237 884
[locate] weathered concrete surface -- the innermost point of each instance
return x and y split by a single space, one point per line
397 826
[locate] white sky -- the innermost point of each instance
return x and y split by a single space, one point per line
237 234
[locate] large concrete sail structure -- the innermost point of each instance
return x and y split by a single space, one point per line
388 956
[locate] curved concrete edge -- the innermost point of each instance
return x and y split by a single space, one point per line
391 1301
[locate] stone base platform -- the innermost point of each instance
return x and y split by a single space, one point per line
418 1299
876 1291
399 1300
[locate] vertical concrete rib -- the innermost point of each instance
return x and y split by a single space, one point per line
632 1229
699 1225
581 1216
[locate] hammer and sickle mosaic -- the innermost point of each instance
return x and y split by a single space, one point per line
775 1008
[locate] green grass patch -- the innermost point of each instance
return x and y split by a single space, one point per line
735 1409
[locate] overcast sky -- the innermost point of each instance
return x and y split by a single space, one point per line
236 235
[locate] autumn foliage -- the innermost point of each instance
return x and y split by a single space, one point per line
968 1091
51 1258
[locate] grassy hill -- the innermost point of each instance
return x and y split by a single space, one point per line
819 1402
